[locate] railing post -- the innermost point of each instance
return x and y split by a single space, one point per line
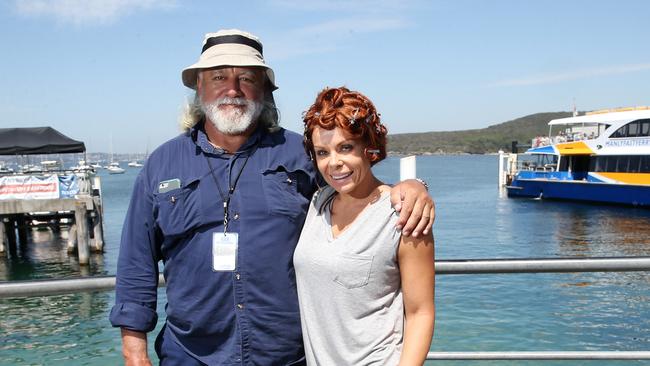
3 251
407 168
502 173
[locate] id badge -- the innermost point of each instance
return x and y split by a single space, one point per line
224 251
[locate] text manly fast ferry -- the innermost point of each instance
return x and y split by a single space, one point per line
601 156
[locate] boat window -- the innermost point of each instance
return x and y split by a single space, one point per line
610 163
633 166
621 132
633 129
596 164
564 164
645 164
645 127
546 159
620 164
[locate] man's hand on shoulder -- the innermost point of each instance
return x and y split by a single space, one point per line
417 210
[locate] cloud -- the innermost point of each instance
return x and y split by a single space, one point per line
343 19
552 78
326 36
88 12
343 26
344 6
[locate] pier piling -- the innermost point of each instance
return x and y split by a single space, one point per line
48 195
21 226
72 238
84 211
10 235
98 229
81 221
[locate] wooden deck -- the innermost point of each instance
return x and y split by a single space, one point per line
84 214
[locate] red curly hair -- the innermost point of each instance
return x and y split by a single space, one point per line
351 111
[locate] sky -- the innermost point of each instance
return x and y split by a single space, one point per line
108 72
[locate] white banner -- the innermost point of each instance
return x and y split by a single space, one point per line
20 187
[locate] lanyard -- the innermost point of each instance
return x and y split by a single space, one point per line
225 198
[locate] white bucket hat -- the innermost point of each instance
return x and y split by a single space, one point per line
228 47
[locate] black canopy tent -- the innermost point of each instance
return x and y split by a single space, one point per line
37 140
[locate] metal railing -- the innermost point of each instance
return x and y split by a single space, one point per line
443 267
542 265
551 355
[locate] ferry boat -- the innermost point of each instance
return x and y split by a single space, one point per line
601 156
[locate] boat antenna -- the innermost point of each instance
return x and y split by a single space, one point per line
575 111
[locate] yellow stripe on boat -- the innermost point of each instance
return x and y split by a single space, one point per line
614 110
629 178
574 148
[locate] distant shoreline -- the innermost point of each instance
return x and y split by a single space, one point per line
476 141
399 154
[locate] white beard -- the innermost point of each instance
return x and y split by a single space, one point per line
233 121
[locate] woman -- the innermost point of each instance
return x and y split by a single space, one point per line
365 292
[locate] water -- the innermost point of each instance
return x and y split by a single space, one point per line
513 312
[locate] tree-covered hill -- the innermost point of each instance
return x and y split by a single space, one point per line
478 141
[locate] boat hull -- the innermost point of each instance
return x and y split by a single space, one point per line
623 194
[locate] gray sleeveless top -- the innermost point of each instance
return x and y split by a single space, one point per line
349 289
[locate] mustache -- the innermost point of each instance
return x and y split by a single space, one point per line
231 101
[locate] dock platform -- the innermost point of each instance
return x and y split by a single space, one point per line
49 194
82 216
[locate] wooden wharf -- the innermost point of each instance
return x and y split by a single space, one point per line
82 216
40 198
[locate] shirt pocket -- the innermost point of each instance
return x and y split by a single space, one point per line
353 270
179 210
280 185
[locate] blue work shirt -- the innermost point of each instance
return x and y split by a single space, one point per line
248 316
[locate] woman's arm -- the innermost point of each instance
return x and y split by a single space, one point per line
416 262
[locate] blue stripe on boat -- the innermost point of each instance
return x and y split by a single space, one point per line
542 150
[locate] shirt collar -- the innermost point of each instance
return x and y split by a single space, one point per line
202 142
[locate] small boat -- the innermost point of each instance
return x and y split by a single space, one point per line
81 166
31 168
50 165
114 168
135 164
5 170
602 156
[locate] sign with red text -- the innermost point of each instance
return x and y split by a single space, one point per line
20 187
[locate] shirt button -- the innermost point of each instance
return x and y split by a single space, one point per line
237 276
240 306
236 217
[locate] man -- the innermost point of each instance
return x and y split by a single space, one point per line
222 206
